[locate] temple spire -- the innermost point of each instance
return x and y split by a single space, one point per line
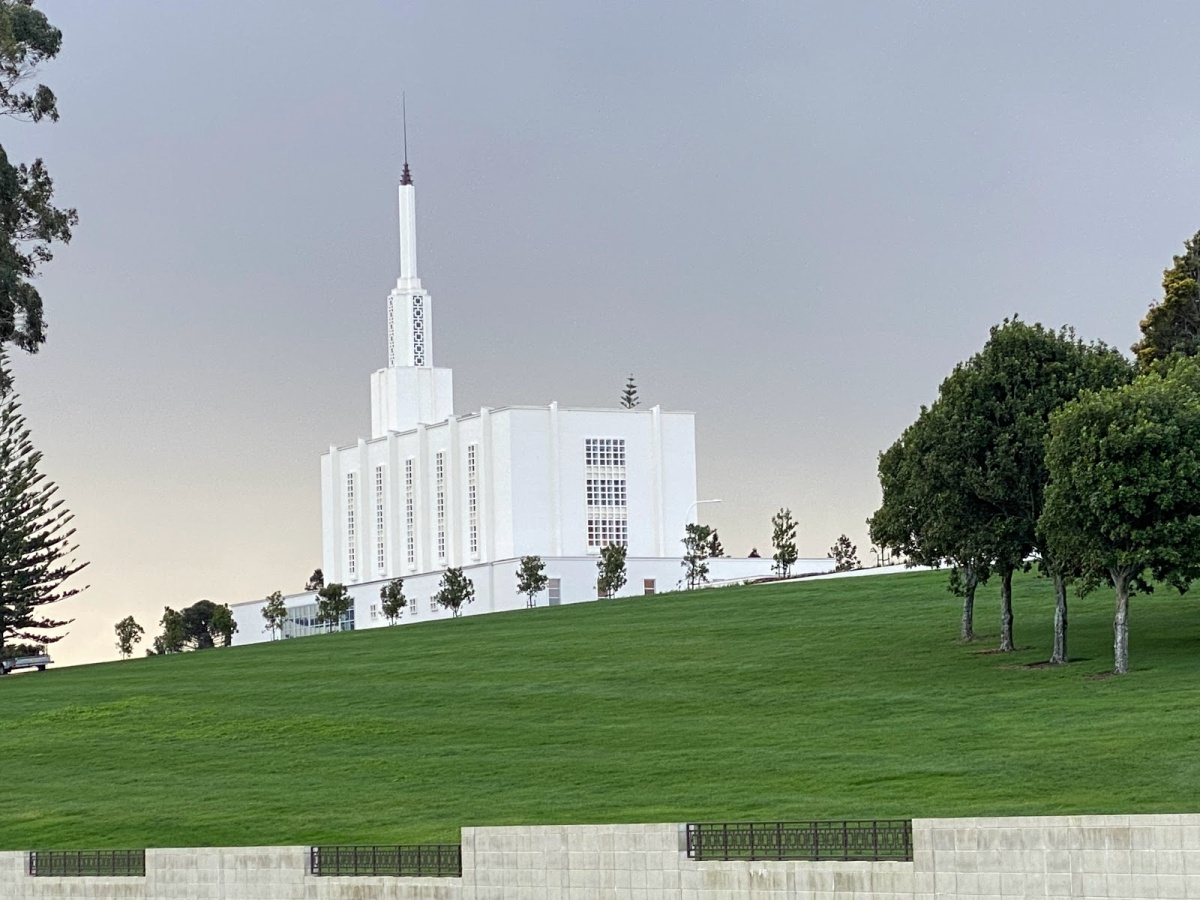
406 175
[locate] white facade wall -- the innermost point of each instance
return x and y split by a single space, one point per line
1037 858
529 489
496 589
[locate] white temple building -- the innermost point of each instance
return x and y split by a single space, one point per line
430 489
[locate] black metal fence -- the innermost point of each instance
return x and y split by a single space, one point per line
87 863
411 860
873 839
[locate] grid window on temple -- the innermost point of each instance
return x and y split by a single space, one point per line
380 521
439 470
410 538
472 500
351 548
606 493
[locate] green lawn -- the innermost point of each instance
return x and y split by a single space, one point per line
824 699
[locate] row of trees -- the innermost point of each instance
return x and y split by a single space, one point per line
1043 447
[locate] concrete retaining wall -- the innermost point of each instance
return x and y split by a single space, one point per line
1127 857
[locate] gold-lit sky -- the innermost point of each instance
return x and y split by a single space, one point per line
792 218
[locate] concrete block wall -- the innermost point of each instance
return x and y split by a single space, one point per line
1079 857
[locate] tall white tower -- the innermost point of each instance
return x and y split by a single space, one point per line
411 390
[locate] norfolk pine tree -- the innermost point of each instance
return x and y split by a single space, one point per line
783 538
455 591
629 396
36 548
392 600
531 579
1123 502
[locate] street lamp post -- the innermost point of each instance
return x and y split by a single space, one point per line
687 517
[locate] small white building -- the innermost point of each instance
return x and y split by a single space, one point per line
431 490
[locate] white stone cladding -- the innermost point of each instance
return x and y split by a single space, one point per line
531 488
1085 857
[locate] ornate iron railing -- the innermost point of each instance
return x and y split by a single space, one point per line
411 860
88 863
873 839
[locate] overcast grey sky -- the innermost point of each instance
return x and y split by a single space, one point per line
792 218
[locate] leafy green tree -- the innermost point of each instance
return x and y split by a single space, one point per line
275 613
174 634
1123 502
531 579
392 599
995 412
629 397
196 627
697 540
1172 324
611 567
783 539
455 591
844 555
316 581
36 537
928 515
29 222
222 624
333 603
129 632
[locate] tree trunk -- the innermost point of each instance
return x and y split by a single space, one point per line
968 613
1006 615
1121 624
1059 656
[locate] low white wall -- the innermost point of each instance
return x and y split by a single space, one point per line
1126 857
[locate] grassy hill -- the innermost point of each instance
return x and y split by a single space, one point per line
842 698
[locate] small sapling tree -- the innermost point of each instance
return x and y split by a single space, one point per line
275 613
696 544
455 591
844 555
783 538
611 567
392 600
531 579
129 632
316 581
333 602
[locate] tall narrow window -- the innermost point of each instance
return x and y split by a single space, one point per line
351 548
380 523
605 492
472 500
554 591
439 475
410 537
